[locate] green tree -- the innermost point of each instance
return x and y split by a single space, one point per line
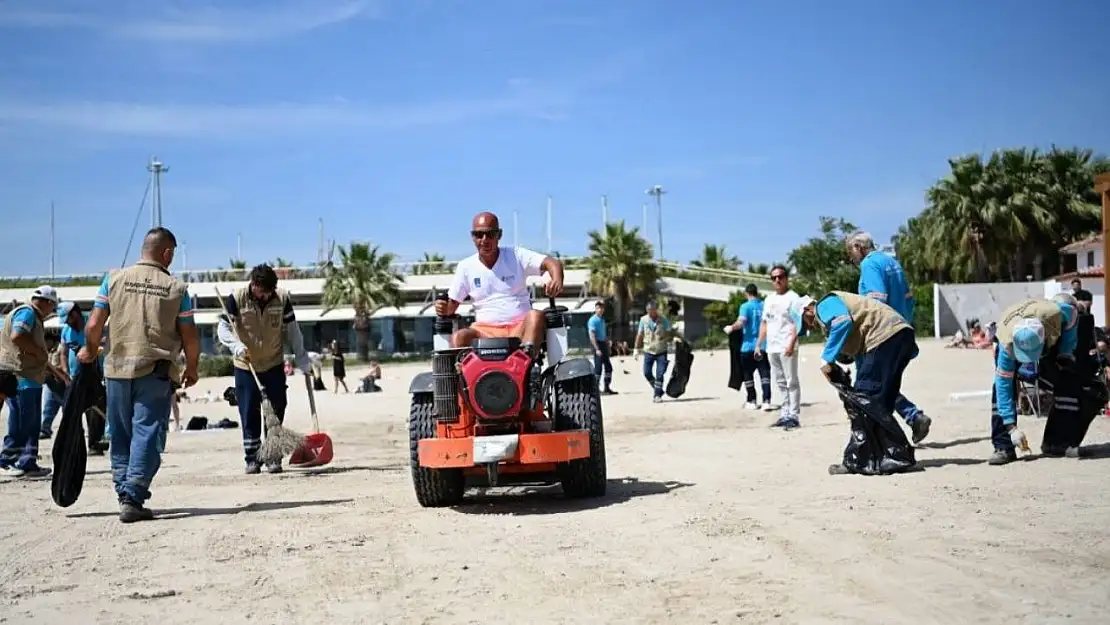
716 257
365 280
621 267
821 264
432 264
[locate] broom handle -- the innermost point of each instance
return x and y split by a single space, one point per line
250 365
312 404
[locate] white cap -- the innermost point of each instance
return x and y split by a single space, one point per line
800 304
45 292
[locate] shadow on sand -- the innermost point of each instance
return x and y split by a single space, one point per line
550 500
670 400
350 469
954 442
180 513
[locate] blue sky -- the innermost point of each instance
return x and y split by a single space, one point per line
396 120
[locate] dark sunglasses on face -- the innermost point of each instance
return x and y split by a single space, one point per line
778 276
481 234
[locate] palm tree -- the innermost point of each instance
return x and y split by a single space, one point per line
621 267
365 280
283 268
715 257
760 268
432 264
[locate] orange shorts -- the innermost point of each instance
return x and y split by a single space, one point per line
500 330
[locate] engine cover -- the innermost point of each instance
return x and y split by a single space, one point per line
496 388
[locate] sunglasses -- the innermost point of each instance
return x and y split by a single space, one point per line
481 234
778 276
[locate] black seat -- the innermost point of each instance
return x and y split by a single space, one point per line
507 343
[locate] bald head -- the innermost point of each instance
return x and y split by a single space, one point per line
485 220
159 245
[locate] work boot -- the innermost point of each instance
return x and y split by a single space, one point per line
253 468
1053 451
130 512
920 427
273 468
1002 456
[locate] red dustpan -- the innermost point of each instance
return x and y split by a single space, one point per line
316 451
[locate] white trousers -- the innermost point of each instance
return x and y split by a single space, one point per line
784 370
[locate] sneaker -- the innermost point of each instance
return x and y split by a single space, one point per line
656 400
608 391
767 407
253 468
95 451
920 427
35 471
791 424
130 512
751 405
781 422
273 468
11 472
1002 456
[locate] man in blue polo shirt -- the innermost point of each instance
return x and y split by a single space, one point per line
748 319
882 279
599 339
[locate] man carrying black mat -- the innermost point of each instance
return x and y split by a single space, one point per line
152 322
261 319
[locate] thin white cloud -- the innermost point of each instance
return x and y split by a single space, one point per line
217 121
261 21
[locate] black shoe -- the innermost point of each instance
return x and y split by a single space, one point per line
608 391
253 468
1002 456
920 428
44 435
131 512
95 451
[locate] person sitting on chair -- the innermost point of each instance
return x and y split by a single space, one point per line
495 279
369 382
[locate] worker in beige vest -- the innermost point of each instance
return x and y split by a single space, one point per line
863 330
24 363
654 336
152 322
262 319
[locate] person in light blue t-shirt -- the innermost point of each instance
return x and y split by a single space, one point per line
599 339
882 279
748 319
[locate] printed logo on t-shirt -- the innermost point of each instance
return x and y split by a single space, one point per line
477 283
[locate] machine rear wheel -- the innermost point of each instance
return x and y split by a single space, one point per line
578 407
434 487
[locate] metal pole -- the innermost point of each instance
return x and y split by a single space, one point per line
657 192
644 229
320 245
52 248
156 169
549 208
604 211
239 247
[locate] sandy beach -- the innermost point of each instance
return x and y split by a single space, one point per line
711 517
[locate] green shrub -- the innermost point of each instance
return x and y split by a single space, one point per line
215 366
923 321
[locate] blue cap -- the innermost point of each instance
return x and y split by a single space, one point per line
1068 313
64 309
1028 340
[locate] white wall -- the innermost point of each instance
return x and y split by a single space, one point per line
953 304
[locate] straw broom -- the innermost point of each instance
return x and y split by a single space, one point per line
278 441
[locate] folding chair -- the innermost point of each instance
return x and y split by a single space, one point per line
1032 399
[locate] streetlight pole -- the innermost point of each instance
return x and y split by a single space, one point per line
156 169
657 192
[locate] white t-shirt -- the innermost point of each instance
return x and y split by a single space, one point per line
780 325
500 294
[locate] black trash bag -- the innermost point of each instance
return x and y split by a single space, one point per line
318 384
735 365
877 445
230 397
70 457
1077 400
680 375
